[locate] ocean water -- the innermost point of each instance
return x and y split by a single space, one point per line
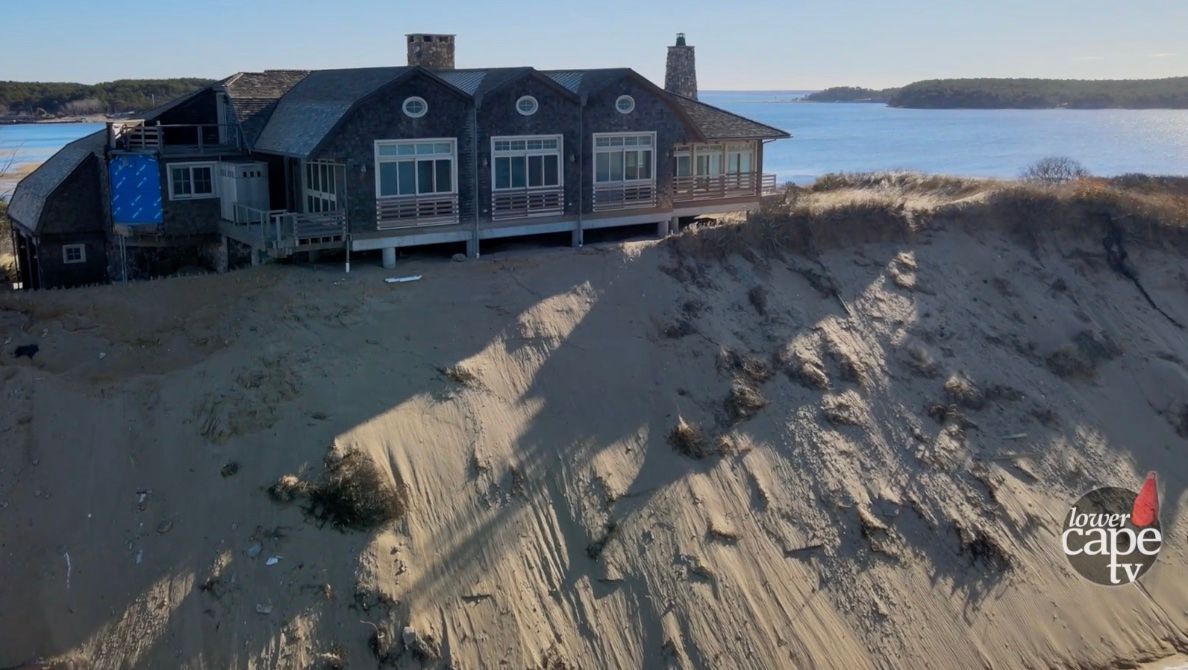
848 137
35 142
25 144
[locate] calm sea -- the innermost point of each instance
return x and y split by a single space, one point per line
861 137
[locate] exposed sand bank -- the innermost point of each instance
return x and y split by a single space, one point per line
894 425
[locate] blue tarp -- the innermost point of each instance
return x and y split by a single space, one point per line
135 189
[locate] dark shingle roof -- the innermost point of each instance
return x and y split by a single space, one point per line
253 96
31 193
315 105
467 81
585 82
479 82
718 124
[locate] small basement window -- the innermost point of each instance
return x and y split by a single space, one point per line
625 104
191 181
527 105
415 107
74 253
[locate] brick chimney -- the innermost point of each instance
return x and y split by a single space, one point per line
680 75
435 52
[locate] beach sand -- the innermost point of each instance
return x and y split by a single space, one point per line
891 431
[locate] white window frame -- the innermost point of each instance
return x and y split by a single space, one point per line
612 149
624 98
414 158
525 98
559 152
315 176
214 184
414 98
82 253
718 154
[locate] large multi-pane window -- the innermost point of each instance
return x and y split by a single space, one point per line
624 157
526 162
414 167
188 181
712 160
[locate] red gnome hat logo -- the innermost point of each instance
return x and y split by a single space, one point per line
1112 534
1146 503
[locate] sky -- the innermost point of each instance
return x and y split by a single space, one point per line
741 45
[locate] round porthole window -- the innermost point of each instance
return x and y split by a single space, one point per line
527 105
415 107
625 104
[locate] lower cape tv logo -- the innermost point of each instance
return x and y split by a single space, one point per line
1112 535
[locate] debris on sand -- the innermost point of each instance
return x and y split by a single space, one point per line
26 351
288 488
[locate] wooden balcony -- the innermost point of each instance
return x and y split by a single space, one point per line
414 211
610 197
198 138
522 203
720 187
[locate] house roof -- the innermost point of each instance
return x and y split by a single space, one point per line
31 193
253 97
314 106
718 124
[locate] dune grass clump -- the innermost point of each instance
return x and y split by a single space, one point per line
461 375
960 390
688 439
744 400
353 494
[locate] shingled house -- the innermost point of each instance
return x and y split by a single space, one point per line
270 164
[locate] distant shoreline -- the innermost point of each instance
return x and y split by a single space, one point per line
90 118
1170 93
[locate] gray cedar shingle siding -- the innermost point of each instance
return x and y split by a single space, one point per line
74 215
559 113
653 112
32 192
379 117
77 203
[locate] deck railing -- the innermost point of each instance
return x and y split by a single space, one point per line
173 138
526 202
609 197
689 188
412 211
279 228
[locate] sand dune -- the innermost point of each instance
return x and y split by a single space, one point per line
889 425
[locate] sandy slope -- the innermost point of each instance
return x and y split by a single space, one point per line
844 526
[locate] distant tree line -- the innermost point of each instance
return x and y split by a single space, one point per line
852 94
1170 93
42 99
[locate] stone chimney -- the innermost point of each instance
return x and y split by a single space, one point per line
435 52
680 76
